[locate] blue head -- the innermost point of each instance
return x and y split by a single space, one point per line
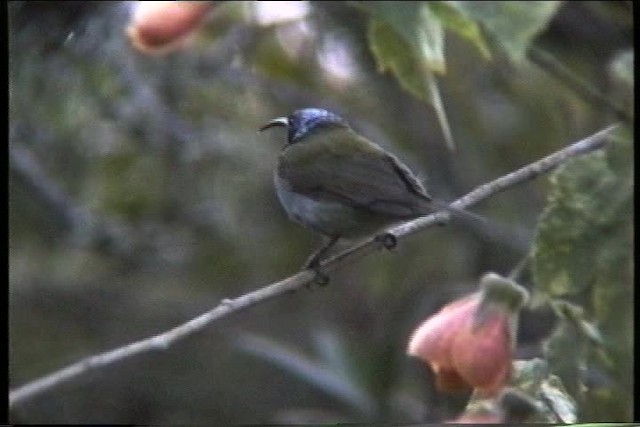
303 122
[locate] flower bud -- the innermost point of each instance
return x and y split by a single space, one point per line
161 26
469 342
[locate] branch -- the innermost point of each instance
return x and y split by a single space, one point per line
29 170
302 278
86 229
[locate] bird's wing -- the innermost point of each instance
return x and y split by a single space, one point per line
343 166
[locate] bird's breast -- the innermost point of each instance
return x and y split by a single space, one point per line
330 218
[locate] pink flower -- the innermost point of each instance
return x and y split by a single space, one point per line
158 27
469 342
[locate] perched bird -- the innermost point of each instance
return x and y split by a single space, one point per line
338 183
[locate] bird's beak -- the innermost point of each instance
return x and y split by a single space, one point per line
279 122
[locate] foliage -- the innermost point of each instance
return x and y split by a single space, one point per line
583 252
140 195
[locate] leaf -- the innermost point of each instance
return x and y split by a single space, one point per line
458 21
407 39
557 399
566 349
584 226
514 24
532 377
315 373
333 352
392 53
441 113
575 316
528 375
416 25
583 252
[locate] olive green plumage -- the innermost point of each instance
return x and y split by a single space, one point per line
340 184
336 165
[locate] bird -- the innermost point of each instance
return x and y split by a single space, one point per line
340 184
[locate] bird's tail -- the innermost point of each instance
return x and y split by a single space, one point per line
485 227
459 213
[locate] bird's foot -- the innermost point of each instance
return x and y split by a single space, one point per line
313 263
320 279
388 240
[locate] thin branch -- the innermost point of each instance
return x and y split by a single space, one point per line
228 306
29 170
160 341
87 229
481 193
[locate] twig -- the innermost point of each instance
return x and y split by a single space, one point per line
228 306
27 167
160 341
88 229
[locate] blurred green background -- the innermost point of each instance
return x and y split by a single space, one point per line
140 195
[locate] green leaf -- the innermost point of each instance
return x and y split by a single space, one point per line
566 349
407 39
575 316
441 113
458 21
333 352
392 53
583 252
585 225
416 25
514 24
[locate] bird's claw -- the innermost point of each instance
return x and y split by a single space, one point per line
388 240
320 278
313 264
